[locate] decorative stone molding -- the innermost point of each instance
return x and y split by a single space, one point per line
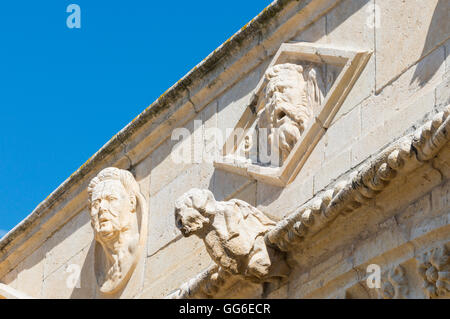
6 292
290 111
435 272
118 213
204 285
363 185
233 232
394 285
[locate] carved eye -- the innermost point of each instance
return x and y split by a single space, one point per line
280 115
178 222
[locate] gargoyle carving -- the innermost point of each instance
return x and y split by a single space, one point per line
435 271
291 95
119 219
233 232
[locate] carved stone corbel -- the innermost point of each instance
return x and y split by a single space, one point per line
233 232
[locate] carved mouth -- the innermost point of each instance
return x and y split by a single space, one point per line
186 231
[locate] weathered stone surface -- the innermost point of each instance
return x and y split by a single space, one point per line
373 188
76 235
161 217
416 25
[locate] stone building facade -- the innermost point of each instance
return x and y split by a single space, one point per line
303 157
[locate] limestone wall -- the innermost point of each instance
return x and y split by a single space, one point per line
404 84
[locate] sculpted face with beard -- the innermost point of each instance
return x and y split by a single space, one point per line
292 94
113 201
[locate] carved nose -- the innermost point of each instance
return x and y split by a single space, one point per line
103 207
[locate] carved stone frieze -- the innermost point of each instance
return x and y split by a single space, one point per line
434 268
394 284
118 214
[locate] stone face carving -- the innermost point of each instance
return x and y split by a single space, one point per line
435 272
291 95
233 232
118 213
290 110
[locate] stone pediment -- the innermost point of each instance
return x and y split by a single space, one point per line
292 107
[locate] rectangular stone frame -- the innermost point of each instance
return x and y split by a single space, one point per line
352 63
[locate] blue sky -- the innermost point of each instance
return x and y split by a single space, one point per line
65 92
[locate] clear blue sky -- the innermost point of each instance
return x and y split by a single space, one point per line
65 92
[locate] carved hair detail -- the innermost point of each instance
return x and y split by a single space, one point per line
313 94
199 199
293 93
113 173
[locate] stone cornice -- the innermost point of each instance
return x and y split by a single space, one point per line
364 184
6 292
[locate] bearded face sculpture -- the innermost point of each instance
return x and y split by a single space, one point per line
119 219
292 94
233 233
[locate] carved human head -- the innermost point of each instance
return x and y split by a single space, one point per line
113 195
193 210
291 95
118 213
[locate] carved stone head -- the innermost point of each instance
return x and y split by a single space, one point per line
193 211
291 95
118 217
233 232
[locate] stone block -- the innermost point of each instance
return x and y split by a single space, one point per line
248 194
351 24
233 102
440 197
162 227
443 93
332 168
408 31
342 134
68 241
316 33
170 267
63 284
388 237
277 202
31 274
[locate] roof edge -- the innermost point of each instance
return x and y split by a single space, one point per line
206 66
